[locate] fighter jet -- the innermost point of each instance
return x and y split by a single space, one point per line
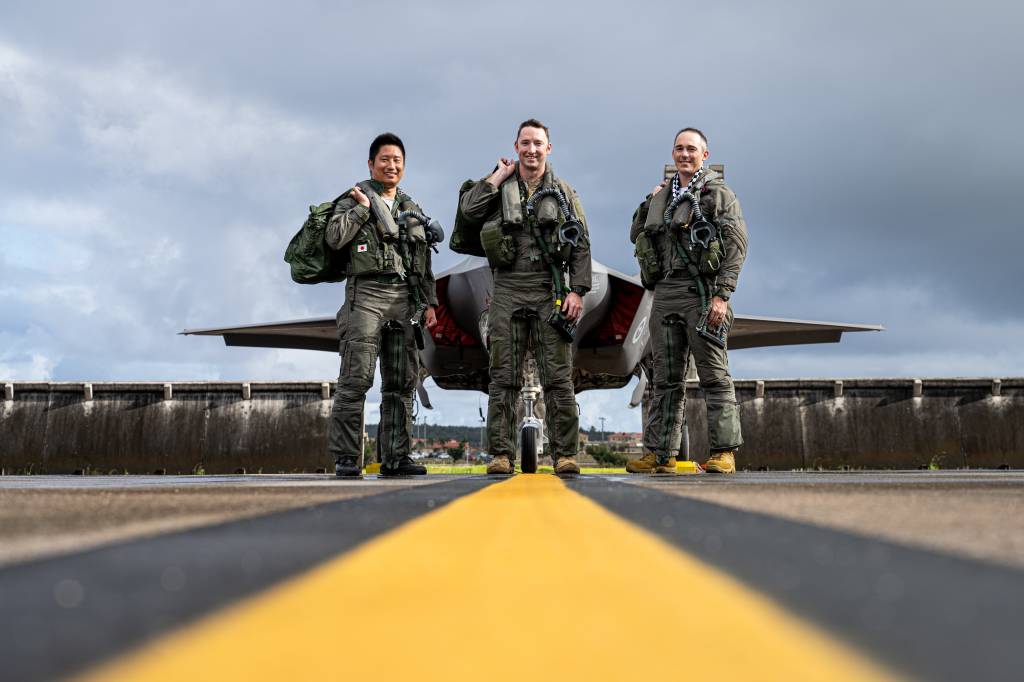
611 339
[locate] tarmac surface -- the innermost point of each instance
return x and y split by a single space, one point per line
834 576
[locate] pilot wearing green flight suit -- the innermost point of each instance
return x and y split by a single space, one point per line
691 241
388 294
533 230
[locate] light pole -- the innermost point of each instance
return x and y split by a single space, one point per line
604 436
483 420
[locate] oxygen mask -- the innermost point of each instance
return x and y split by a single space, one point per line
702 232
570 232
716 335
435 234
562 325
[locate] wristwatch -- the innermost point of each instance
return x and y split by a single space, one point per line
579 291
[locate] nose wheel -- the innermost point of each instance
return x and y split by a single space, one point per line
531 429
528 449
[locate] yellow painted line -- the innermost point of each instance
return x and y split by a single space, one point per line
524 580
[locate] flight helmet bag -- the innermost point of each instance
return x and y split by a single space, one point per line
308 254
466 233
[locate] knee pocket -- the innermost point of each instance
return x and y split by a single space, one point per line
358 364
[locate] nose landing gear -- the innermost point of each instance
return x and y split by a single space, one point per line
531 432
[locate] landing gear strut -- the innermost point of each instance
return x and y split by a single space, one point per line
530 431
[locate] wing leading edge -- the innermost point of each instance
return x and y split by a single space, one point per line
614 335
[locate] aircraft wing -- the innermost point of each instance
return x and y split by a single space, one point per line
751 331
612 336
318 333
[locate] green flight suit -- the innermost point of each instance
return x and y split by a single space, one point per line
517 320
375 320
676 309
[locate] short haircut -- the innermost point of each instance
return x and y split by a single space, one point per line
385 139
533 123
691 130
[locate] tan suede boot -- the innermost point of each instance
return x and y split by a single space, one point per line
500 466
721 463
644 465
649 464
567 465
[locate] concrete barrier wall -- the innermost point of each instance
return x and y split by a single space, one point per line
874 423
214 427
225 427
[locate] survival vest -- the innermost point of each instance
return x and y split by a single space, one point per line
663 248
502 237
508 238
370 253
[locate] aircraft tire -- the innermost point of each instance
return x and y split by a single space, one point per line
528 450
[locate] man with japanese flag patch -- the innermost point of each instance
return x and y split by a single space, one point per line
389 294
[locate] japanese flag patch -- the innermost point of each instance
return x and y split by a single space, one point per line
361 248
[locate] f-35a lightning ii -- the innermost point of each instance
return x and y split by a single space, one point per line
611 339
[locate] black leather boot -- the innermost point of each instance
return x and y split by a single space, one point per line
347 467
403 466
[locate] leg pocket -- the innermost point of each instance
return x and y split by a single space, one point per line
358 363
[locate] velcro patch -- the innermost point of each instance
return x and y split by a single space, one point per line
361 248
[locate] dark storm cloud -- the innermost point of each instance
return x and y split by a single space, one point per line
872 145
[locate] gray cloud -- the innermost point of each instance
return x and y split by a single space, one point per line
163 156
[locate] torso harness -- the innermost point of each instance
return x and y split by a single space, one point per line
406 228
703 239
569 233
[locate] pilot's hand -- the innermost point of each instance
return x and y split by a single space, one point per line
572 306
506 167
658 188
358 195
430 317
719 308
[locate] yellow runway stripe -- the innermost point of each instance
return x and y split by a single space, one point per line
525 580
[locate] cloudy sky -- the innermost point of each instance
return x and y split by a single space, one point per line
156 157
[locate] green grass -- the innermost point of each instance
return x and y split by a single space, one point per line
452 469
482 469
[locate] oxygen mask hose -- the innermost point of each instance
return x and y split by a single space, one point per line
412 280
566 329
670 210
433 231
681 194
571 230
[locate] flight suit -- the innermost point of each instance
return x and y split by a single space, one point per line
375 320
521 304
677 307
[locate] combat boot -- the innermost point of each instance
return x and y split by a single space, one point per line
402 466
500 466
721 463
644 465
649 464
347 467
567 466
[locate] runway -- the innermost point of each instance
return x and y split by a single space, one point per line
910 575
